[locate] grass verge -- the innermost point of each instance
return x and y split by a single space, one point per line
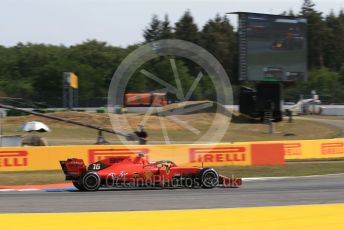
32 177
299 169
237 132
316 160
327 117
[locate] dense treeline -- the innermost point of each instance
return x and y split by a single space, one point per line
34 71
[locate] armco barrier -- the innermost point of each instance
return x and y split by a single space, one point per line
239 154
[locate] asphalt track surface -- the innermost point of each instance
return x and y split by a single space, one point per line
275 192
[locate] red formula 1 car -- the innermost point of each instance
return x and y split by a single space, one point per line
123 171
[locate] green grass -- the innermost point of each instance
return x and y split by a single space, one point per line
298 130
298 169
32 177
325 117
316 160
237 132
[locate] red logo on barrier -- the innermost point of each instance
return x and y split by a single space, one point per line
292 149
95 155
13 158
332 148
218 154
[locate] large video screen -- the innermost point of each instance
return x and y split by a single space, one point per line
272 47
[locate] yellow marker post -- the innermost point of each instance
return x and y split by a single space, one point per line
73 79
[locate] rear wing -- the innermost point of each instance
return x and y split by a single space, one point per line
73 168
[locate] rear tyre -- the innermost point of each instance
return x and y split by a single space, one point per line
209 178
78 186
90 181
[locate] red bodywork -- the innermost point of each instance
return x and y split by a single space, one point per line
123 171
145 99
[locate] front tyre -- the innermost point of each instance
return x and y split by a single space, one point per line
209 178
90 181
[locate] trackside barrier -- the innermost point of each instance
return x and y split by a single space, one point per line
314 149
238 154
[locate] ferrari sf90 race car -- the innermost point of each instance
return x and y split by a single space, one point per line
124 171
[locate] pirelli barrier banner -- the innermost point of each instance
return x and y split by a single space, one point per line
314 149
238 154
48 157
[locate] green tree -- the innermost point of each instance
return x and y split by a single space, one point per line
158 30
219 38
290 12
166 31
327 84
341 15
94 64
48 83
317 34
162 69
22 64
153 31
334 46
186 29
